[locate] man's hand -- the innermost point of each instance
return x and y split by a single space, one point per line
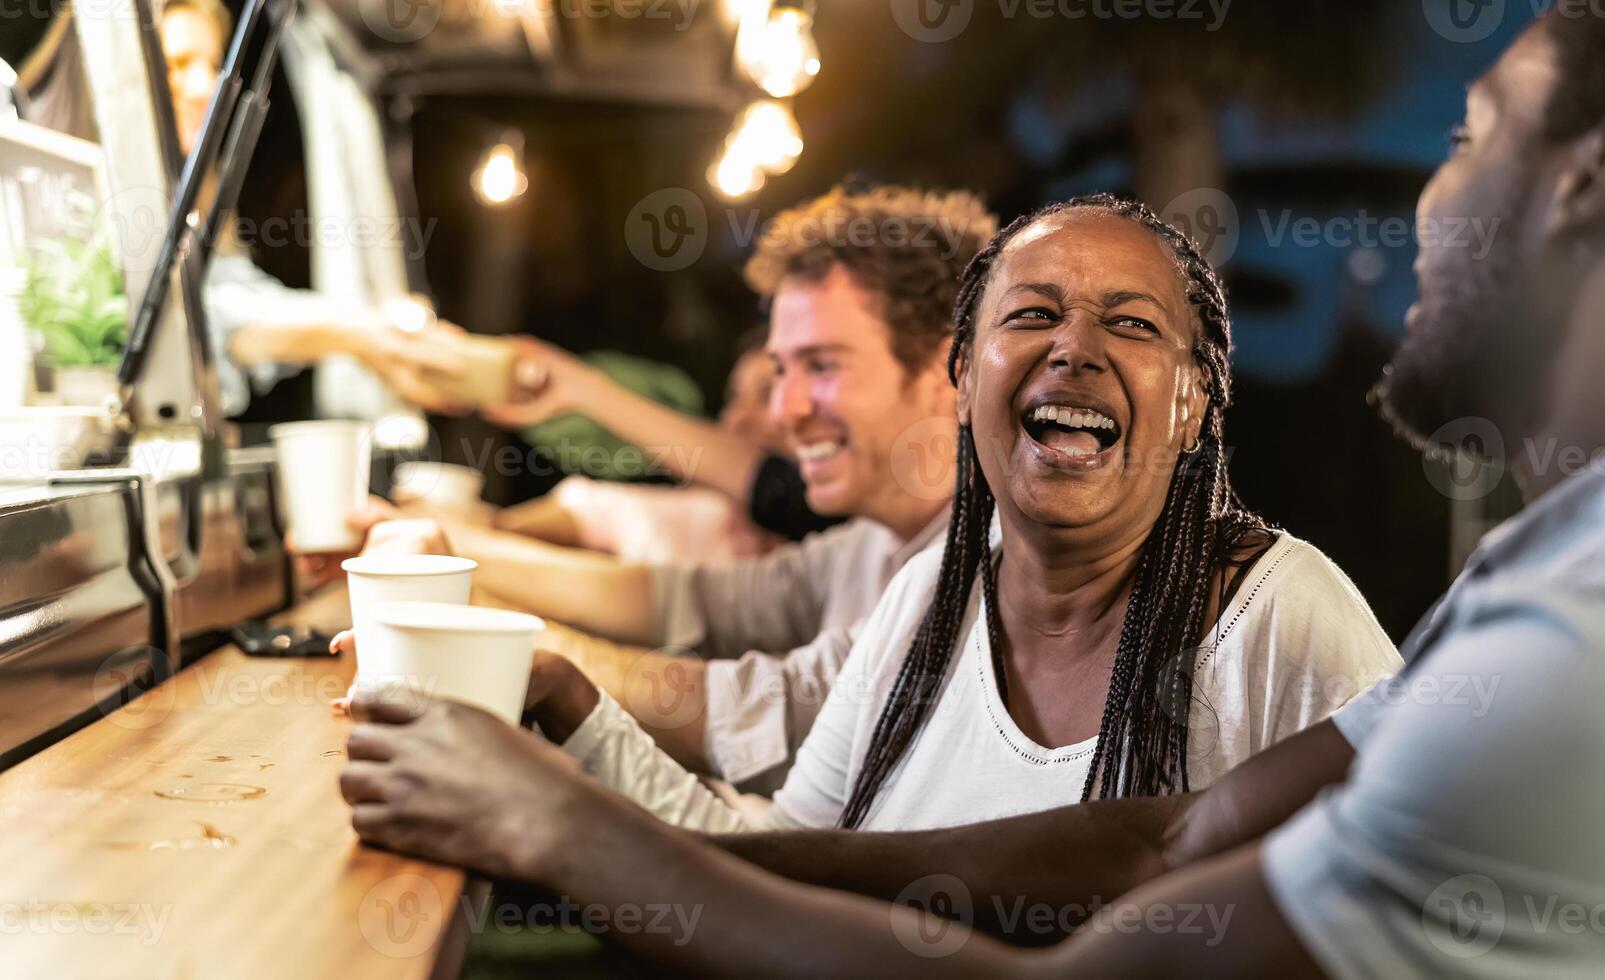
548 381
480 514
415 363
387 532
455 784
407 536
324 567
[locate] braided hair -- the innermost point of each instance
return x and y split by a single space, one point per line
1142 740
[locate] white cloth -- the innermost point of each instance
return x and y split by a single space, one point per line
358 253
646 525
238 294
1295 643
614 749
777 629
357 240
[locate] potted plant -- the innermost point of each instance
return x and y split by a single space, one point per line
73 298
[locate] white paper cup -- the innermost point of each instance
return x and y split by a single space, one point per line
471 654
323 477
442 485
487 370
375 579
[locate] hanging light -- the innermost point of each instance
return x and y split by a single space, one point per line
737 12
749 18
734 175
767 134
500 178
775 47
783 58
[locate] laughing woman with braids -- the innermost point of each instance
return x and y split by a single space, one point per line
1136 631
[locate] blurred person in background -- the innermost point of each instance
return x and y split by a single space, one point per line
260 329
1444 823
263 330
52 80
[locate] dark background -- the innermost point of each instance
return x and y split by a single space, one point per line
1293 110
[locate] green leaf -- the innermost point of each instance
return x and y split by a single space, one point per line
73 297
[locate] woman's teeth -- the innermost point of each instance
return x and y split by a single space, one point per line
813 452
1074 418
1073 431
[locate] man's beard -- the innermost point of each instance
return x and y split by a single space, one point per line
1477 351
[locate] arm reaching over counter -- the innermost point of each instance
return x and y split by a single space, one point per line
553 381
524 811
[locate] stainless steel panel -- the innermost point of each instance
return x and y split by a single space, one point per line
104 578
79 621
242 569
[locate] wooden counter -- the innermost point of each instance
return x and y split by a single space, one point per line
199 833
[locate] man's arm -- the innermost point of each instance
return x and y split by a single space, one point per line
667 694
691 449
1213 919
773 602
763 694
256 320
1070 857
1207 911
543 518
742 605
592 592
524 812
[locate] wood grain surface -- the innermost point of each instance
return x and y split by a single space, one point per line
199 832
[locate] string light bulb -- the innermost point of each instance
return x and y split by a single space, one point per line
767 134
499 179
750 18
736 12
783 58
734 175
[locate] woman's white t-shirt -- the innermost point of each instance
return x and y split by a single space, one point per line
1294 644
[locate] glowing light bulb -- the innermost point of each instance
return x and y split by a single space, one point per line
499 178
784 58
751 18
734 11
734 175
767 134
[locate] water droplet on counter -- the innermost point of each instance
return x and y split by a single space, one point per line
210 839
192 844
213 792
